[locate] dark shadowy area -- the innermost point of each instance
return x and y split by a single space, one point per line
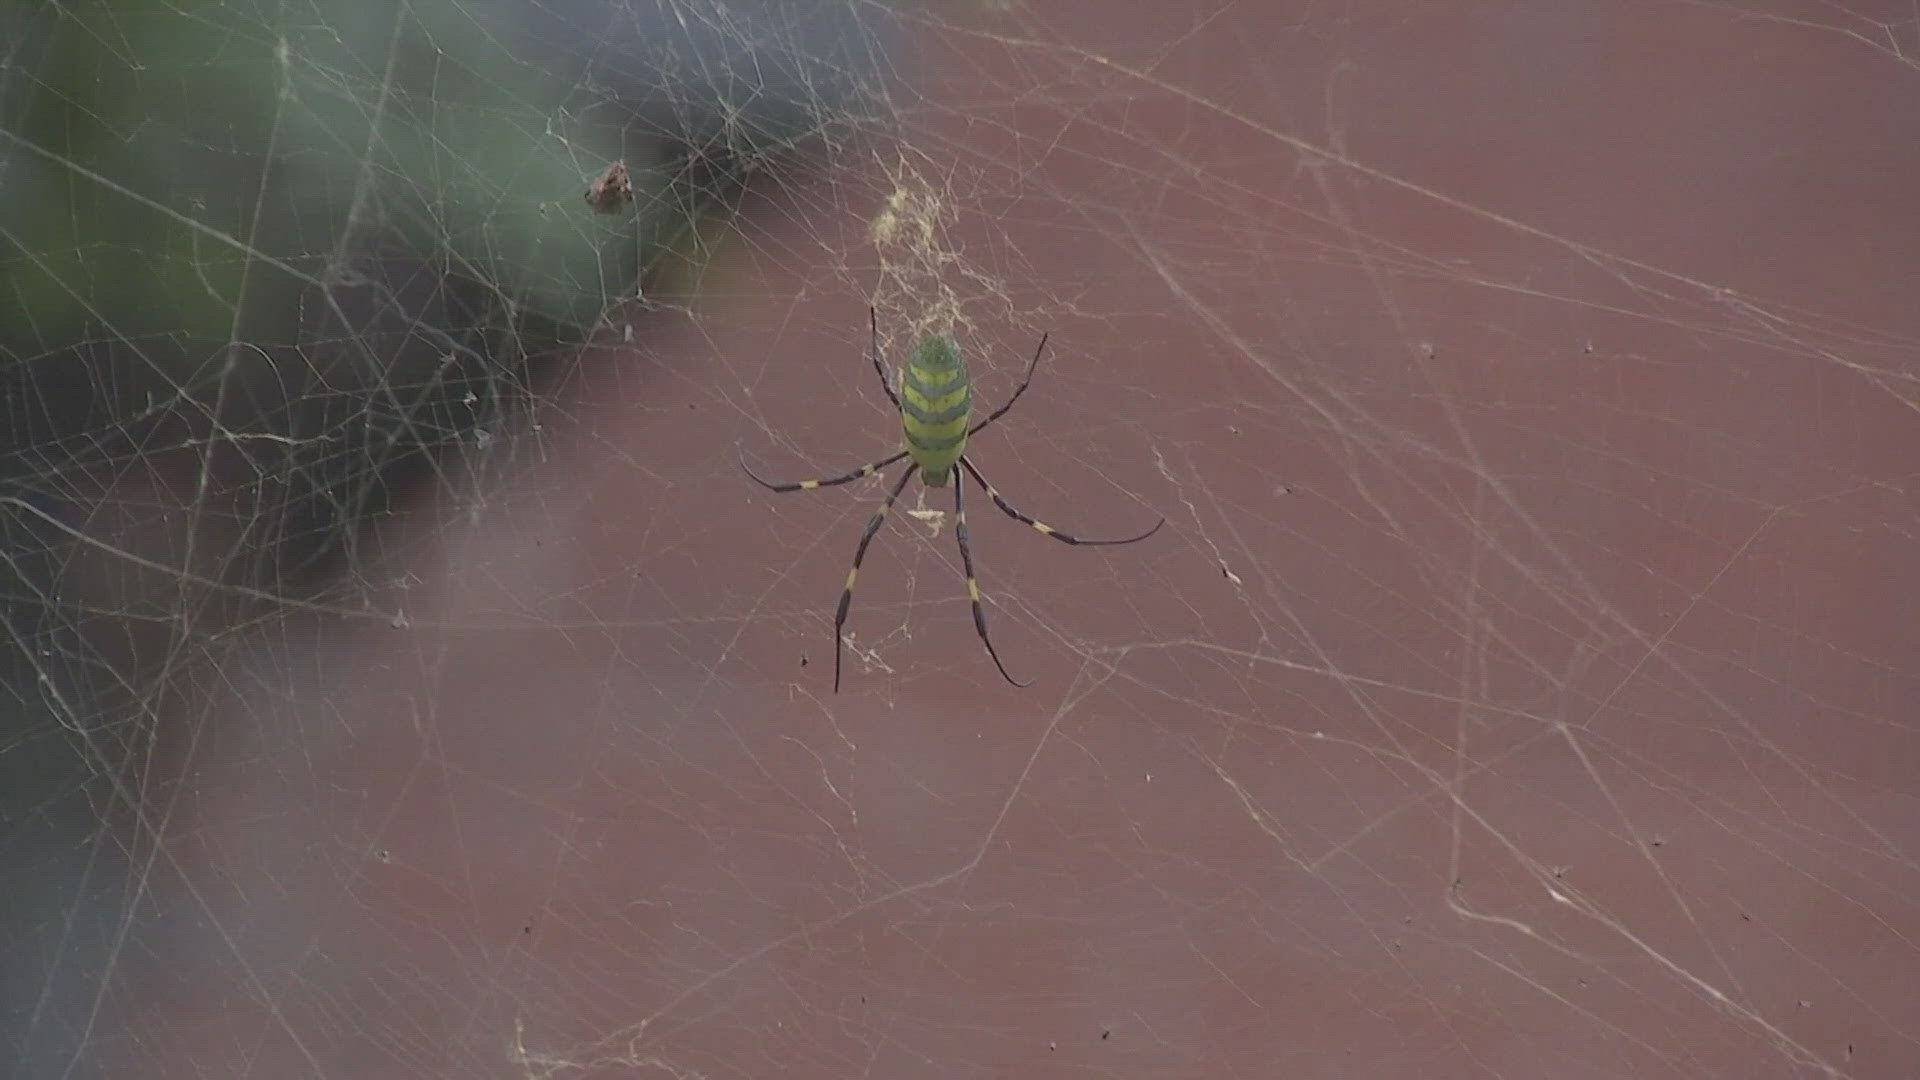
264 279
1520 686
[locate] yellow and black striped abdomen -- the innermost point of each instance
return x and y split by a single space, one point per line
935 405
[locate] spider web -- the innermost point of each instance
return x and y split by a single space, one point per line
401 679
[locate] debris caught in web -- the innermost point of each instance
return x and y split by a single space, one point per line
612 190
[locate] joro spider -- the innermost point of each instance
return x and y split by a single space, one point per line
936 404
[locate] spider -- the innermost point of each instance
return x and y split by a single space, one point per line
935 405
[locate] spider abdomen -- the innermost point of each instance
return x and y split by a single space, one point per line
935 405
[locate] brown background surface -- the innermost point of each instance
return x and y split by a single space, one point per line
1523 684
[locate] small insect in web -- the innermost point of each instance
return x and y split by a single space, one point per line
935 402
612 190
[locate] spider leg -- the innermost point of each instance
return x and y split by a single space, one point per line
859 553
809 485
1021 389
1042 527
973 585
873 351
